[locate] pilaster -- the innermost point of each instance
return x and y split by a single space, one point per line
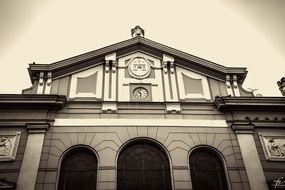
250 156
169 76
110 84
29 169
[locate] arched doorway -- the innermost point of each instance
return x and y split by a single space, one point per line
78 170
143 165
207 170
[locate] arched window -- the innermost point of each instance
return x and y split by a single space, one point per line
143 165
78 170
207 171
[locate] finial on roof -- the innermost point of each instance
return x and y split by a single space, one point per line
281 85
137 31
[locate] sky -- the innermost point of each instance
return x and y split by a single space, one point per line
233 33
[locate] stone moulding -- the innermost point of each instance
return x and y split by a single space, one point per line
273 146
64 67
225 103
9 142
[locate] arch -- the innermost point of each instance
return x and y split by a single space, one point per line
207 169
143 164
78 169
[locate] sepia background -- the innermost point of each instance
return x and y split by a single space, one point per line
228 32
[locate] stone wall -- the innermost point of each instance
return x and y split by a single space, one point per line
107 142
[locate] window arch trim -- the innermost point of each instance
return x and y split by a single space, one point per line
154 142
65 154
219 156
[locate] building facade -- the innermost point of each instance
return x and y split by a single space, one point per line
140 115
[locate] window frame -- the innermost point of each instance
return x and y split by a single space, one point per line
66 153
218 155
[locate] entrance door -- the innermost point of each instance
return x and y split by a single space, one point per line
143 166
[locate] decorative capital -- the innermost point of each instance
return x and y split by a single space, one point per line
137 31
49 78
168 62
281 85
37 127
243 127
110 58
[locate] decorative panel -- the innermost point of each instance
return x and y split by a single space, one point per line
273 146
192 85
87 84
9 142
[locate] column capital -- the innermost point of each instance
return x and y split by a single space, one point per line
110 62
168 63
242 127
37 127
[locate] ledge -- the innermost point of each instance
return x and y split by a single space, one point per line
31 101
276 104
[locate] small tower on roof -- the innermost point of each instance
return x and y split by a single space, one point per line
137 31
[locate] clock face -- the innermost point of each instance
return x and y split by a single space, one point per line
140 93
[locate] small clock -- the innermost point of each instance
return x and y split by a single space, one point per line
140 93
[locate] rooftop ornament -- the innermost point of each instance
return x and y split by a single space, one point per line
137 31
281 85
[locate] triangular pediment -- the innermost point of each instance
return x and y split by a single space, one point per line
136 44
137 67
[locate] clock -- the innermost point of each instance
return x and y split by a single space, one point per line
140 93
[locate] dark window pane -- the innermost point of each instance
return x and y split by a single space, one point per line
78 170
143 166
207 171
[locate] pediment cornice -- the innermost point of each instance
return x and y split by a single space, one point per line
63 67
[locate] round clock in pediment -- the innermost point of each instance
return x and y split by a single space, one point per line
140 93
139 68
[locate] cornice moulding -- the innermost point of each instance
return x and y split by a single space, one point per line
138 43
31 101
264 104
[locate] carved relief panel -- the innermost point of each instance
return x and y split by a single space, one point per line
273 146
9 142
139 78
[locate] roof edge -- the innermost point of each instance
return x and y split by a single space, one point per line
36 68
31 101
226 103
